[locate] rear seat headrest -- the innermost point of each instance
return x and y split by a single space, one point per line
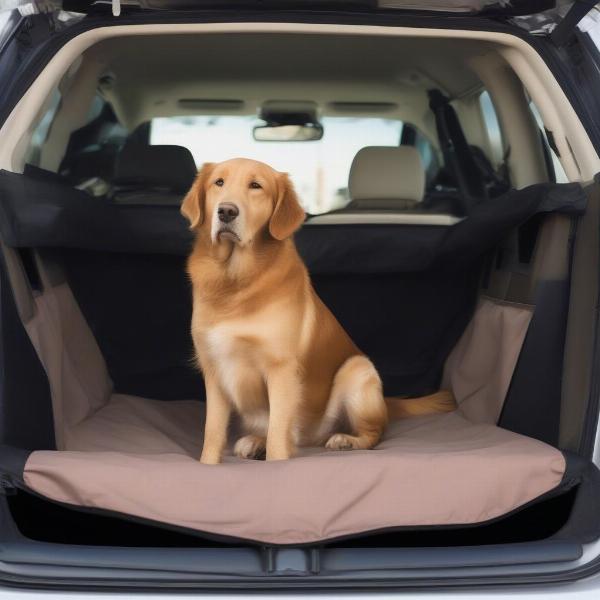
144 166
380 173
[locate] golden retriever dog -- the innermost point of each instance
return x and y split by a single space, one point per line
268 348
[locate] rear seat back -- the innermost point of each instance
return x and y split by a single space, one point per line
389 183
386 178
157 175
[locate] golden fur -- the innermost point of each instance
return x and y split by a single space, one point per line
269 349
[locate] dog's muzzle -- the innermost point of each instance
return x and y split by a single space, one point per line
226 224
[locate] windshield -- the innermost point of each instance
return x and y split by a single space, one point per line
319 169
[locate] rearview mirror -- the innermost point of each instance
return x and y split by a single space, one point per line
308 132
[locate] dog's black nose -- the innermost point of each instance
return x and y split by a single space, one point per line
227 212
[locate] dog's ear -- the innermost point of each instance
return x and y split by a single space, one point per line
193 205
287 215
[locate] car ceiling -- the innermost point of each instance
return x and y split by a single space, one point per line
148 76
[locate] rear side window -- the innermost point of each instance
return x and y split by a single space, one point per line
412 136
319 169
555 169
40 133
492 128
93 148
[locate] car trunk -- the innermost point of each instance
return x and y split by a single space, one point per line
101 355
102 409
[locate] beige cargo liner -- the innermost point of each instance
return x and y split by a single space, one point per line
139 457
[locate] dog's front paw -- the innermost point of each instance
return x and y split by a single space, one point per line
342 441
251 446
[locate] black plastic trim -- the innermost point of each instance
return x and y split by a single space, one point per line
186 565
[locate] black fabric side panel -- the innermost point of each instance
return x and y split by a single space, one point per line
581 383
26 419
139 309
583 524
532 405
12 463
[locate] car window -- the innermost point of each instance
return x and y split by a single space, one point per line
429 156
319 169
557 172
492 126
7 22
40 133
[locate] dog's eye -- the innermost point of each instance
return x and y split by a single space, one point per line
219 182
255 185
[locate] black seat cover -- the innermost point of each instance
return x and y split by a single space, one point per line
141 166
403 293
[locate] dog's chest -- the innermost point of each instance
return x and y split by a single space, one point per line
226 344
256 338
239 342
239 362
241 350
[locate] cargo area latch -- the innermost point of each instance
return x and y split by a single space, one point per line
292 561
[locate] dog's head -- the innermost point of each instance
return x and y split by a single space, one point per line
241 200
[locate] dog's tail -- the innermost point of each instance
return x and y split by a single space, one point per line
440 402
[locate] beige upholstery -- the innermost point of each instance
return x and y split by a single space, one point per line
382 176
140 457
480 367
